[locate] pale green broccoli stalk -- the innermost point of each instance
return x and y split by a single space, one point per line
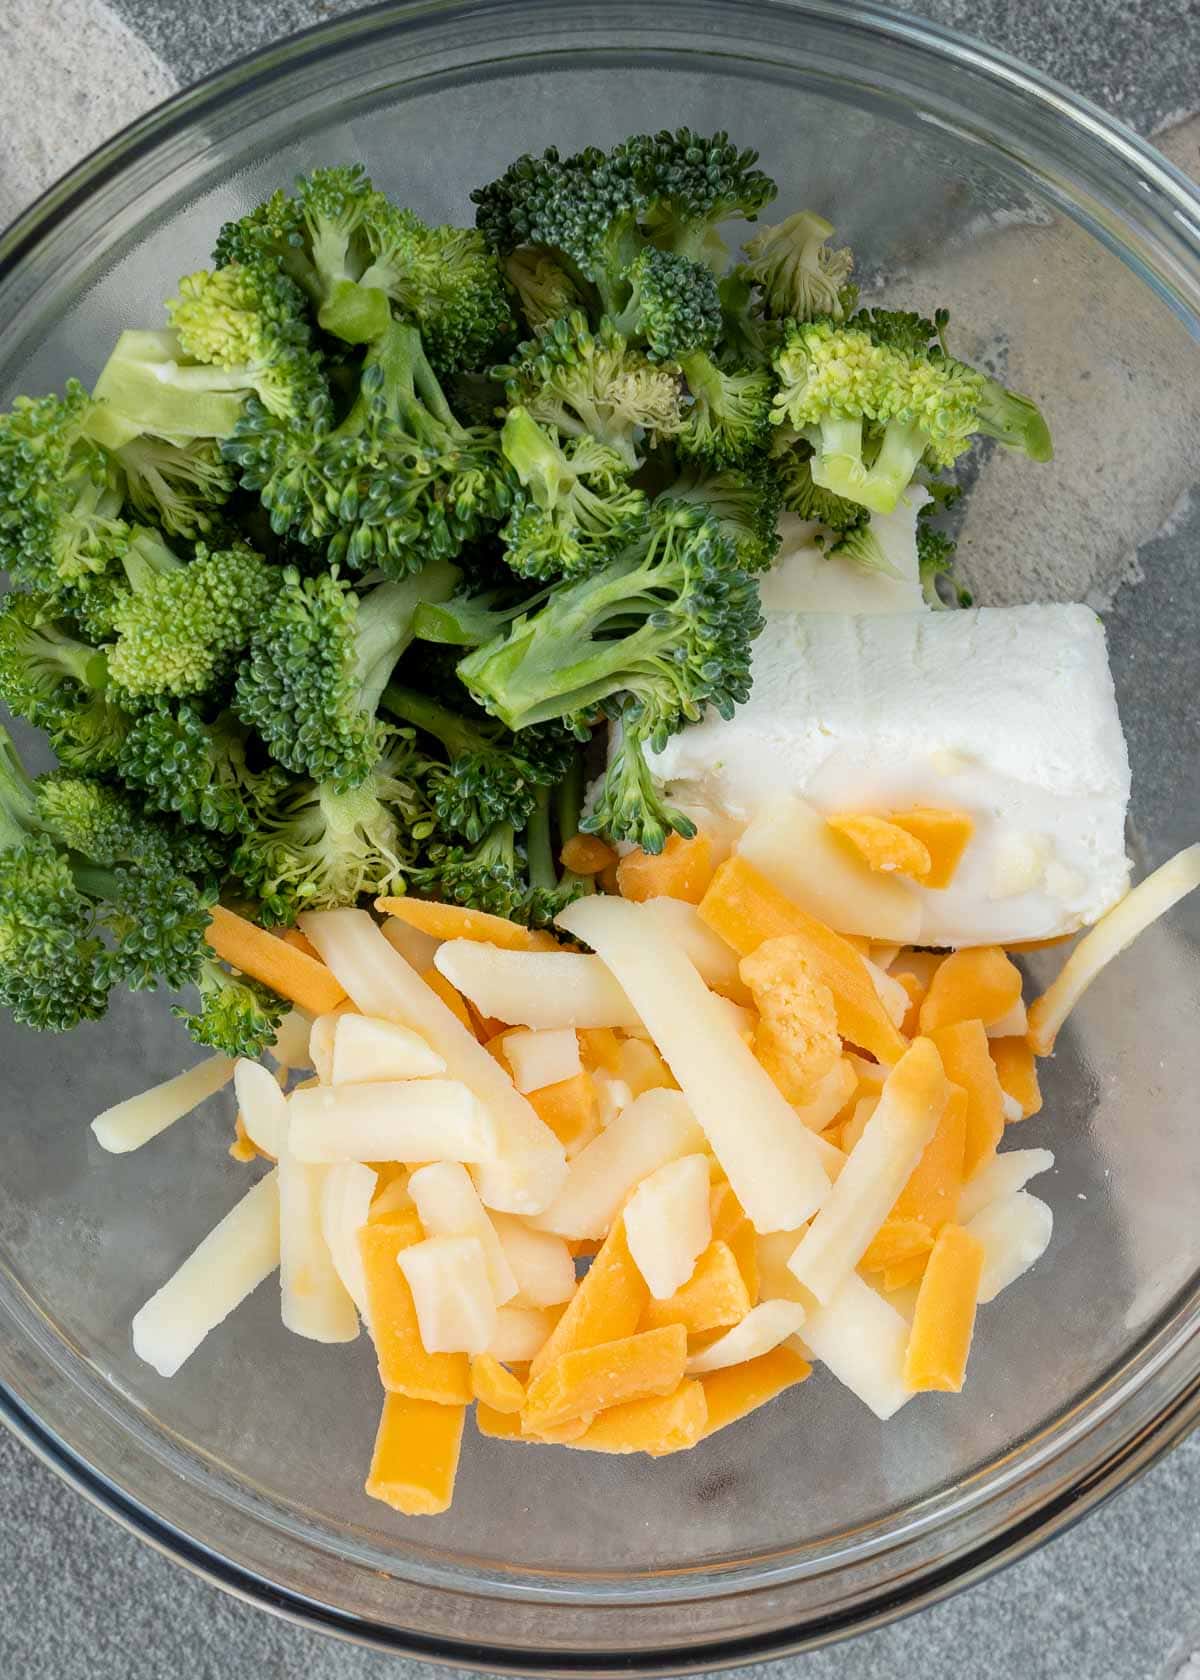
544 288
180 487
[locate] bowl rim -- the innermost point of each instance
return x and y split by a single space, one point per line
1125 1456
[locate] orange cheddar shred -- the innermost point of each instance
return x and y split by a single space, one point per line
683 869
404 1366
600 1049
896 1242
302 979
586 854
451 921
931 1194
906 1273
945 836
606 1307
884 845
963 1048
911 1024
732 1393
294 938
731 1226
977 984
944 1320
713 1298
569 1107
589 1380
1016 1070
499 1426
416 1455
744 908
495 1386
663 1424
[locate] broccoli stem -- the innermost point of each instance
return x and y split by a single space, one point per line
18 796
148 558
539 849
1014 420
456 733
838 464
385 624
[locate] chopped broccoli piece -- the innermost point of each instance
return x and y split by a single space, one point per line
799 275
674 305
935 564
575 510
45 670
792 458
61 494
550 887
745 502
729 419
398 482
875 399
544 288
662 633
318 664
196 770
594 385
487 876
237 1016
182 623
491 775
181 487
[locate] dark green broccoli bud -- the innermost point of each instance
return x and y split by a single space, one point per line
629 804
237 1016
875 400
157 918
575 509
589 384
491 775
745 502
61 494
674 304
487 876
45 670
318 664
182 624
318 239
318 847
398 482
690 184
661 634
799 275
181 487
446 280
729 419
53 964
195 770
544 288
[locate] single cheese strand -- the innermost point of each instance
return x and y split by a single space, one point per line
740 1389
1015 1233
292 973
404 1365
416 1455
714 1297
345 1208
762 1329
451 921
878 1168
130 1124
263 1107
397 1120
217 1276
536 988
768 1157
944 1321
884 846
495 1386
978 984
1116 930
531 1165
313 1299
657 1426
540 1262
745 908
681 870
1016 1070
716 964
448 1205
730 1225
589 1380
863 1341
963 1048
944 834
1002 1177
521 1333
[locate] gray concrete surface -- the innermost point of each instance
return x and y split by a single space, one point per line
1118 1598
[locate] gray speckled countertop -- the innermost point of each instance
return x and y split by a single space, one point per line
1117 1598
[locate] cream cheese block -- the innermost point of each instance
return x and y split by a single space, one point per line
1005 713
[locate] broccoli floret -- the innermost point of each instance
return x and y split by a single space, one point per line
745 502
318 664
182 623
398 482
729 419
798 274
58 682
874 406
935 563
575 509
598 209
594 385
487 876
629 806
490 775
196 770
320 847
659 635
61 494
181 487
237 1016
543 286
674 304
792 458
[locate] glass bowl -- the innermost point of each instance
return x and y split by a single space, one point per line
1071 254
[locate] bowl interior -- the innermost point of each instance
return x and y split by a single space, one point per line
273 1434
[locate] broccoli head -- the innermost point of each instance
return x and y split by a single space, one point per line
575 509
182 624
875 397
61 493
489 875
318 664
196 770
797 273
237 1016
51 678
745 502
674 304
729 418
662 633
587 384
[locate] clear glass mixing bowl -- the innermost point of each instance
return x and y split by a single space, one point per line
1072 255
